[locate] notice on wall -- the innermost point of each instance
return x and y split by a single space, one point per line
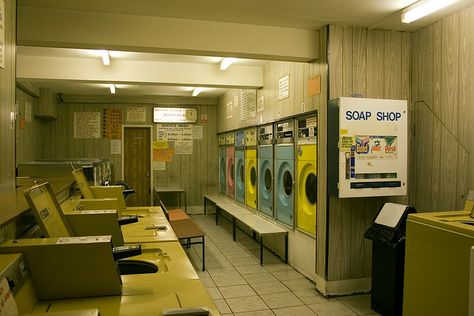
197 132
115 147
283 87
248 104
163 150
28 112
136 114
260 103
314 86
229 111
159 165
183 147
2 34
174 132
87 124
112 124
7 301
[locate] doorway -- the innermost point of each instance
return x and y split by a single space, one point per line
137 163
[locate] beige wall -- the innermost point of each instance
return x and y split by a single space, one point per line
442 85
196 173
7 101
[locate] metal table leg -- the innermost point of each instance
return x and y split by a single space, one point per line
234 228
203 255
261 250
286 248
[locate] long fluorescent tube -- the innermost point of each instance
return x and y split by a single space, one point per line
105 57
112 88
196 91
423 8
226 62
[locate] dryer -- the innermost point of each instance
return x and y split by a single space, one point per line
222 164
251 167
306 174
240 166
284 172
230 165
265 170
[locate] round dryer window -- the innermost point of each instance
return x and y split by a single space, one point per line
242 172
287 183
253 176
311 188
232 175
268 179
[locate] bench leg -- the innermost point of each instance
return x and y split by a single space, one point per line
234 228
261 250
254 235
205 212
203 255
286 248
217 215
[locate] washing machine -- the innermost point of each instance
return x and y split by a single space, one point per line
265 170
230 165
240 166
222 164
251 167
284 172
306 174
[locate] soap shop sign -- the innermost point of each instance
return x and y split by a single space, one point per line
376 147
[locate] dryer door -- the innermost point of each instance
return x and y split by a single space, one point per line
285 192
240 177
307 193
265 187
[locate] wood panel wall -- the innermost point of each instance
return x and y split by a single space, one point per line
373 64
7 100
442 86
29 140
196 173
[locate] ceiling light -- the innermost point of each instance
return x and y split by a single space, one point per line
423 8
112 88
105 57
196 91
226 62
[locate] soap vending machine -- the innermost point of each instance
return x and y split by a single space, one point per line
367 147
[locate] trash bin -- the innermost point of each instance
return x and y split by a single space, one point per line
388 258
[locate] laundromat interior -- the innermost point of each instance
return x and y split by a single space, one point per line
237 158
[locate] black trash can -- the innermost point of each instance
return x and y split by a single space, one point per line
388 258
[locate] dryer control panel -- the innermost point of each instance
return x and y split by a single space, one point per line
265 134
251 137
230 138
284 131
367 147
307 129
240 138
221 139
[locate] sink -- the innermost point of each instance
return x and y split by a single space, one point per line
136 267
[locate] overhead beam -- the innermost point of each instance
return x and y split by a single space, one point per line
80 29
137 72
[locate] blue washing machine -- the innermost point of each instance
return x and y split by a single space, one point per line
222 183
265 179
240 175
284 183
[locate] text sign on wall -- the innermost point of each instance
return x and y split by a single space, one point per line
87 124
174 132
174 115
248 104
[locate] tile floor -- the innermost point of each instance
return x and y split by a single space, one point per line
240 286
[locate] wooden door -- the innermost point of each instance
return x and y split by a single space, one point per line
136 164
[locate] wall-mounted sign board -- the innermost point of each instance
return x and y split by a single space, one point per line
174 115
367 146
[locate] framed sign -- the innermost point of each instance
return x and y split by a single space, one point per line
174 115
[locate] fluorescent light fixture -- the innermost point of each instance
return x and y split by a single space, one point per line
423 8
105 57
112 88
226 62
196 91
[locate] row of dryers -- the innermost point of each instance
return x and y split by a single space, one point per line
272 168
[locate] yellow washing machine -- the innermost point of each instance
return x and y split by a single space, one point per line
306 175
251 167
